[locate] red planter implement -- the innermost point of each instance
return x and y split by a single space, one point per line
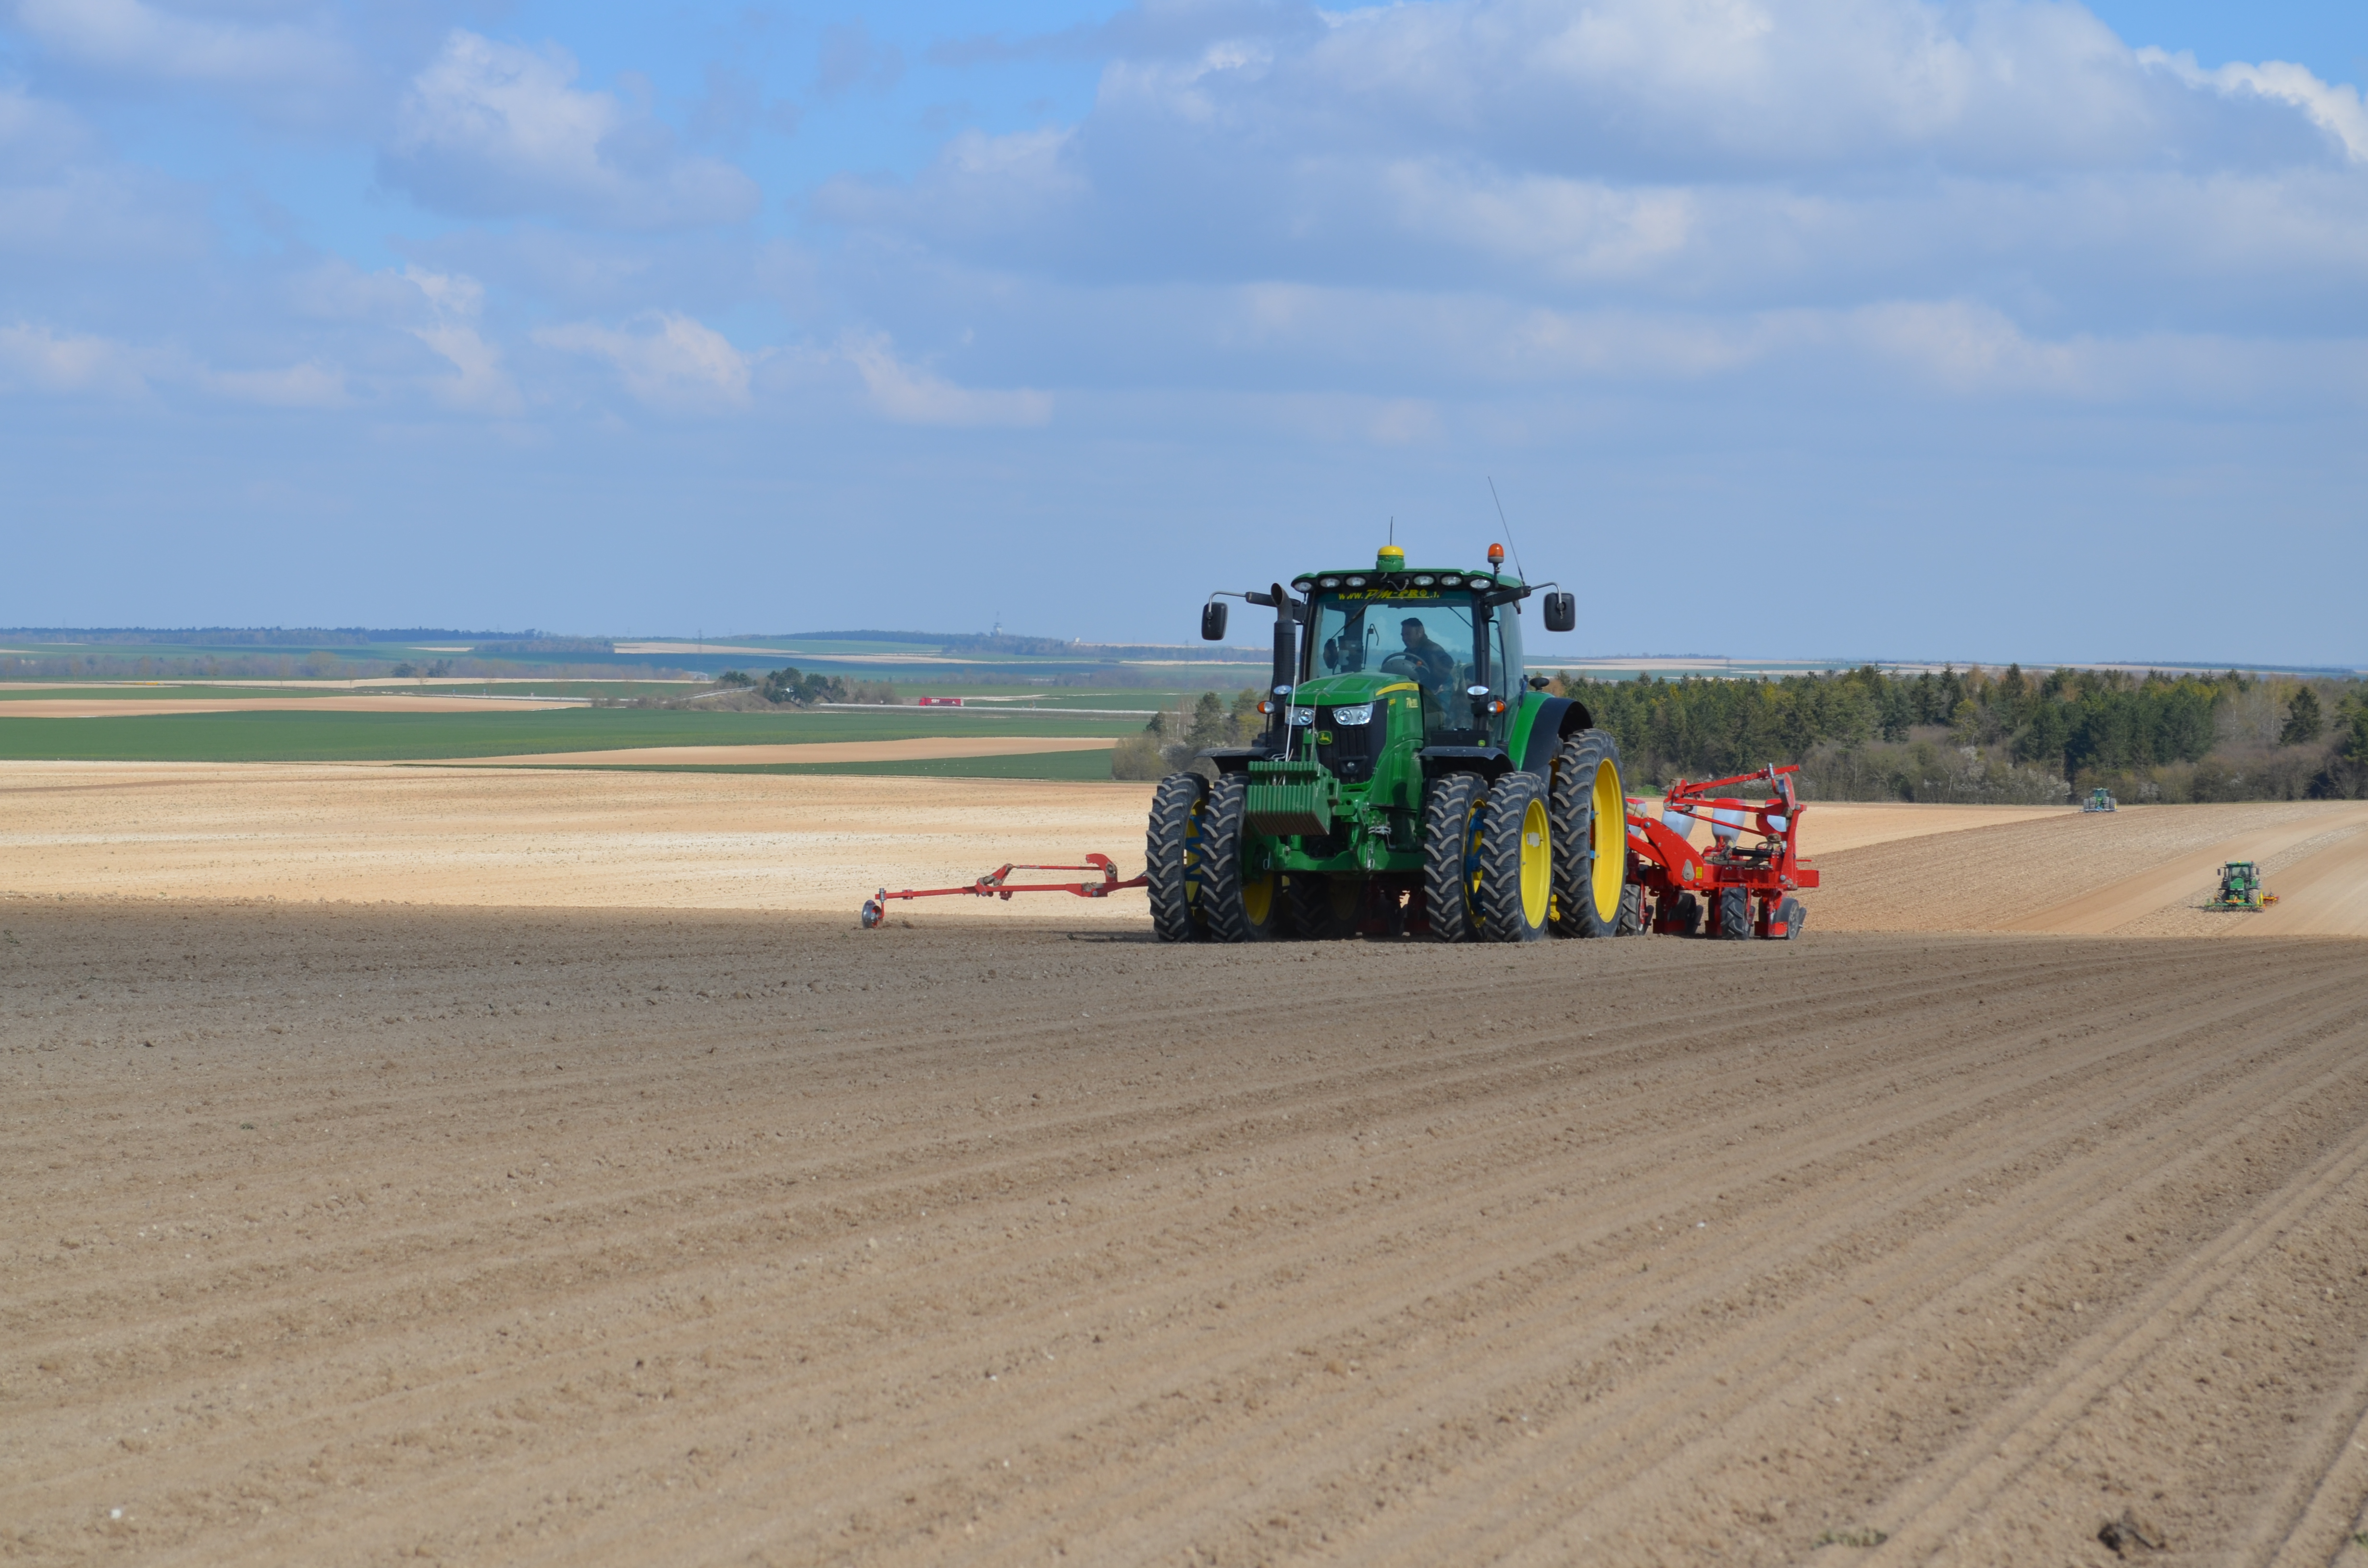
1732 889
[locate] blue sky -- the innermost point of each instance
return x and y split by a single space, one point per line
1834 327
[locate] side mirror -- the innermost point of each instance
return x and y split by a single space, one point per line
1561 612
1213 621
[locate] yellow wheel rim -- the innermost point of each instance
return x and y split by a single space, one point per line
1608 836
1258 899
1537 864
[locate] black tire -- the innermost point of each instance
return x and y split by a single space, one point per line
1236 903
1326 908
1689 915
1171 857
1793 915
1514 891
1734 914
1585 905
1631 911
1448 813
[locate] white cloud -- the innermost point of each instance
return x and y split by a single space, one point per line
2335 110
668 362
913 396
1659 87
308 385
39 359
281 64
481 384
492 129
42 359
1576 231
38 137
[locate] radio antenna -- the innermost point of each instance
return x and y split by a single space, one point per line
1508 531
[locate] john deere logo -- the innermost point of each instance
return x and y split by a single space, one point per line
1322 737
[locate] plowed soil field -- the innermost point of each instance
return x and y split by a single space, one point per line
371 1232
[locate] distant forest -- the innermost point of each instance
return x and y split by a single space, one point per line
347 652
2001 736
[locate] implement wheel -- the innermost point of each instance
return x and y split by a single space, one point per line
1325 908
1171 857
1589 809
1237 903
1631 911
1515 855
1735 914
1793 915
1449 823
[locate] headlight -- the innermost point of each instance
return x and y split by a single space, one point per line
1331 582
1302 715
1360 714
1450 581
1356 581
1424 580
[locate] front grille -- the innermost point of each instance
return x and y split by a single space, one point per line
1349 750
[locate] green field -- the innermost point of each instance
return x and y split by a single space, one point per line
409 737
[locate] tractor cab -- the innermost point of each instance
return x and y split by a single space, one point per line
1446 642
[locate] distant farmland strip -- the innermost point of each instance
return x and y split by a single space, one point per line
1051 765
404 737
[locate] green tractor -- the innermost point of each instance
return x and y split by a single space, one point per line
1411 780
2240 888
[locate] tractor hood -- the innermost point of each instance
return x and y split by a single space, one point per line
1332 692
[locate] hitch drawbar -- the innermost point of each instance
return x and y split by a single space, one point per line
997 883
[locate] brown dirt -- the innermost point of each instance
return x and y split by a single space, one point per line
564 839
369 833
2143 871
344 1235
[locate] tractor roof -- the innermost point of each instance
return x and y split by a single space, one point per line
1410 577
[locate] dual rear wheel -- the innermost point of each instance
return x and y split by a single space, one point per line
1487 873
1204 885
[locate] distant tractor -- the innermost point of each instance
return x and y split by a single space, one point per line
2240 888
2098 801
1412 779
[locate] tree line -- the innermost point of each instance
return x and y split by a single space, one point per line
1973 735
1979 735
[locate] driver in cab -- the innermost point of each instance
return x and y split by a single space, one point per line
1431 666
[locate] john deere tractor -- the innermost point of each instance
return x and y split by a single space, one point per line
1410 779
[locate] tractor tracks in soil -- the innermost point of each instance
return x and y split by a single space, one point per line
600 1237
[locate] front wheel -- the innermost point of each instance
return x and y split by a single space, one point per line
1239 901
1515 887
1171 857
1450 821
1589 808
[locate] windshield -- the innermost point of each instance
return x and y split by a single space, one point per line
1427 639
